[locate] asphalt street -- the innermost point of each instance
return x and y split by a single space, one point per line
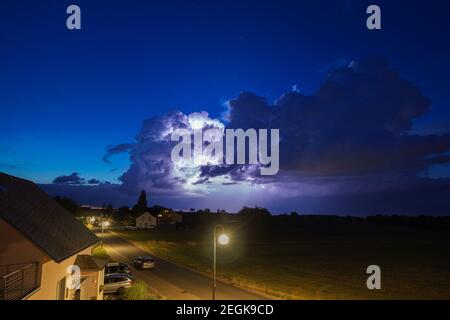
170 280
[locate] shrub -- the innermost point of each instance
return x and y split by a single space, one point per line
100 253
139 291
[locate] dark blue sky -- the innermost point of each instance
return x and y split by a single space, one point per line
66 95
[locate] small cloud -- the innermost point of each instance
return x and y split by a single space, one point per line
93 181
112 150
73 179
295 88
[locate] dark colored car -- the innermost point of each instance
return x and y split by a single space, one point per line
144 262
117 267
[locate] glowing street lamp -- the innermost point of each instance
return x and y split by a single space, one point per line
223 239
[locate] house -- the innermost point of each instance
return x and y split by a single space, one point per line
169 216
45 252
146 220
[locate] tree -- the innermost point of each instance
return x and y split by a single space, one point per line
157 210
124 215
141 205
109 210
254 212
123 212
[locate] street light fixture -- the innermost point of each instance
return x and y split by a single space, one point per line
223 239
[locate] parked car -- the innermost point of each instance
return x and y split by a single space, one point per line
144 262
117 283
117 267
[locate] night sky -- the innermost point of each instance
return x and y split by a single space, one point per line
364 116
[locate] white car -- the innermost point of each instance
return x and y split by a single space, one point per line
117 283
117 268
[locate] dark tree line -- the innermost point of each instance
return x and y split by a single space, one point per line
258 215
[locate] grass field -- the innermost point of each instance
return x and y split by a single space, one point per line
315 260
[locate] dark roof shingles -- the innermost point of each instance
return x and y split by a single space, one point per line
41 219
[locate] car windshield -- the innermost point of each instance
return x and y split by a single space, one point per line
148 259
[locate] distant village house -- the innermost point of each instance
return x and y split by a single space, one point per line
146 220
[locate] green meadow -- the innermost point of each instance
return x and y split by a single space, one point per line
313 259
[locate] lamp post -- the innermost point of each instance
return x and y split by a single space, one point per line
222 239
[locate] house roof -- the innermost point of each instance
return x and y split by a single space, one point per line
145 213
87 262
41 219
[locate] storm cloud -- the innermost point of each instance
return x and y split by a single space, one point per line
352 139
356 127
358 123
151 167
